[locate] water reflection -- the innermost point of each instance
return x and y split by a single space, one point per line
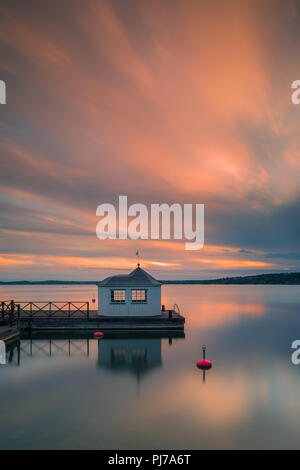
13 353
137 356
53 347
78 392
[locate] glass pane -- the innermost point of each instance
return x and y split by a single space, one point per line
118 296
139 295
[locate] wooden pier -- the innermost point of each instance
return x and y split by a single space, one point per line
9 329
77 316
8 334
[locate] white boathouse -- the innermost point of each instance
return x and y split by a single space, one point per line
136 294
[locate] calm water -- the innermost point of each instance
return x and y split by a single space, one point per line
133 392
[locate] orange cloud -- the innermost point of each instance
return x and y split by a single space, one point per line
225 263
11 260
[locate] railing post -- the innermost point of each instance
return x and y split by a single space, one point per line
50 308
2 308
18 307
88 310
11 313
69 309
30 310
19 352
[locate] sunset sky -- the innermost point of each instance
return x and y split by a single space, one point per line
185 101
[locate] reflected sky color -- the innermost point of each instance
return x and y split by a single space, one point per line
187 103
134 392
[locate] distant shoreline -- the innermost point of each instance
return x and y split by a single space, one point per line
271 279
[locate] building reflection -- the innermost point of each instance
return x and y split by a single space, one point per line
137 356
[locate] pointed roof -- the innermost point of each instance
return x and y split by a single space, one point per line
137 278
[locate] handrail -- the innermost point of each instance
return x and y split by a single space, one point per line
57 309
176 308
8 309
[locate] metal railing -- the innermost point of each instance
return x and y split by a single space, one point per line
10 312
176 309
58 309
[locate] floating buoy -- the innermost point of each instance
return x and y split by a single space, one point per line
93 301
204 364
98 334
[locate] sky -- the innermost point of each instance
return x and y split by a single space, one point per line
184 101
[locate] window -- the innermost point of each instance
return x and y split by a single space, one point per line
118 357
118 296
139 355
139 296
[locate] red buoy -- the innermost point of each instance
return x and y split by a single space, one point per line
93 301
204 364
99 334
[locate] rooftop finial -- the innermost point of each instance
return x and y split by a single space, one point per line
138 258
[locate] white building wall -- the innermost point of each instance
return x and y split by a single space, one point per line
129 309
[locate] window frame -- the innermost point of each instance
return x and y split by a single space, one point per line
118 302
137 301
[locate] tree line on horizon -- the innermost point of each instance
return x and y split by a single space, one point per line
275 278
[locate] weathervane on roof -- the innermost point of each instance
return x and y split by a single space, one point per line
138 258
